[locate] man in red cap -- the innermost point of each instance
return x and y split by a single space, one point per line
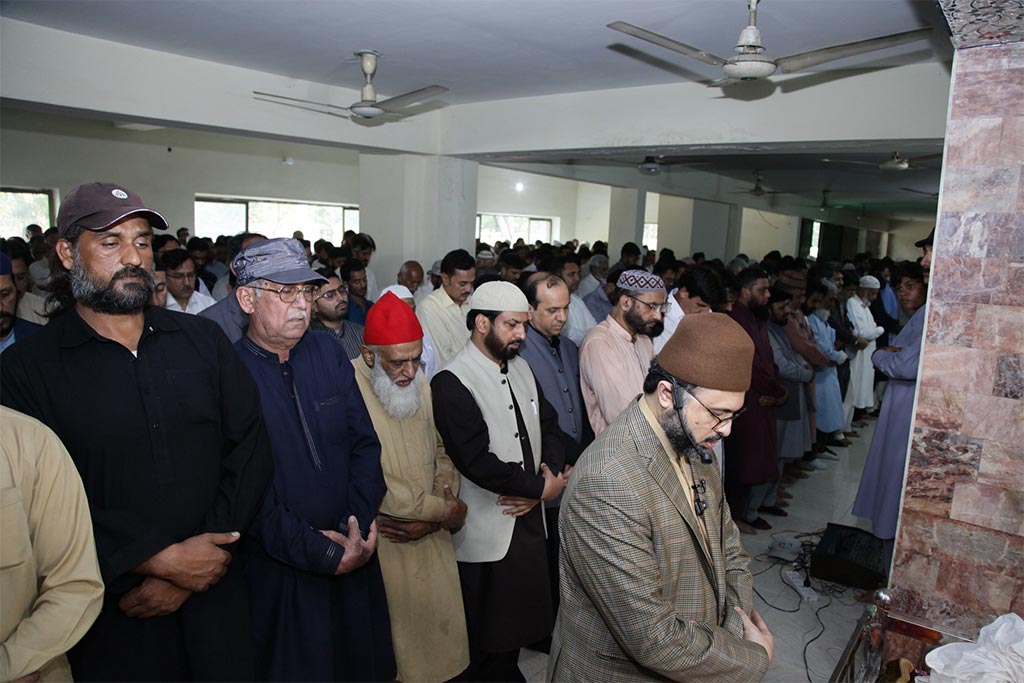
420 509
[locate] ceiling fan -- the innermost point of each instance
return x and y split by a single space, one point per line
933 195
750 62
758 189
893 163
368 107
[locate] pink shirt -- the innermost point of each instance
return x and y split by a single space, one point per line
613 366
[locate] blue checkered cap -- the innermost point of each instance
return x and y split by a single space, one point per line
281 260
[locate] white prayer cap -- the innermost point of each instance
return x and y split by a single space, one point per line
499 296
869 282
401 291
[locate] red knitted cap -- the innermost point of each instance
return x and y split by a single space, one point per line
391 321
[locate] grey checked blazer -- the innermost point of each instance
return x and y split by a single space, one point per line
640 600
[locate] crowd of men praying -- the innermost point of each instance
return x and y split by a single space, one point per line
259 459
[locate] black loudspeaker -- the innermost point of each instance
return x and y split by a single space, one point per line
849 556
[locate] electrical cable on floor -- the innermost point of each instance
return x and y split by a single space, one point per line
799 605
817 615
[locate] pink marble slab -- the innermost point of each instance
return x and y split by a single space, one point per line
958 368
994 418
987 93
980 188
1009 380
966 279
1003 328
984 234
1001 465
952 322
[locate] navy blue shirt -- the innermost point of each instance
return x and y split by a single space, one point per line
309 623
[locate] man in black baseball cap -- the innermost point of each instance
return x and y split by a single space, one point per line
164 426
926 245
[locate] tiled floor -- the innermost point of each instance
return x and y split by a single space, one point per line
826 496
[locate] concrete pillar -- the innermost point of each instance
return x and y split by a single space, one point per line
416 207
716 229
626 219
675 224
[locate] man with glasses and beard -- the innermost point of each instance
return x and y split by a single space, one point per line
331 315
503 437
12 328
420 510
655 581
162 422
319 608
617 352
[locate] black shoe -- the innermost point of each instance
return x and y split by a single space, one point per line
759 523
773 510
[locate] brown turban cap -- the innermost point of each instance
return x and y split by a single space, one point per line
710 350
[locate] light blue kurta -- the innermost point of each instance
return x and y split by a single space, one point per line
828 397
881 483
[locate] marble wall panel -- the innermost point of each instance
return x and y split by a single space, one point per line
988 506
980 188
1009 379
952 323
1001 328
959 369
981 235
993 418
960 548
1001 465
983 94
967 279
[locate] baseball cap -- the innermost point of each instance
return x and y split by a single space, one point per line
281 260
97 206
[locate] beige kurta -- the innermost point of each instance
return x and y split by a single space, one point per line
428 625
50 585
444 321
613 366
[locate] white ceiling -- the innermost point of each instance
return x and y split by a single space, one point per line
500 49
486 49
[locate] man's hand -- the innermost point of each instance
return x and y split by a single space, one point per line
756 631
195 564
516 506
357 551
861 343
30 678
454 511
153 598
403 531
554 484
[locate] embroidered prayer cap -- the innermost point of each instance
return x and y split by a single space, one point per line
281 260
401 291
97 206
435 269
391 321
640 281
499 296
710 350
792 280
869 282
779 294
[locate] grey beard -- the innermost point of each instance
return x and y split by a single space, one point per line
399 402
106 298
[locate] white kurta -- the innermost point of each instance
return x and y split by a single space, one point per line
861 392
580 320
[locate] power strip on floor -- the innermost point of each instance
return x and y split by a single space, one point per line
796 581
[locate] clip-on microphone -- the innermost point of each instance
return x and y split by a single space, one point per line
677 404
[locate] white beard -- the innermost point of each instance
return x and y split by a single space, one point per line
399 402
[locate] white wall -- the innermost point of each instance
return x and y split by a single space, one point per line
763 231
593 209
675 224
54 152
901 241
542 196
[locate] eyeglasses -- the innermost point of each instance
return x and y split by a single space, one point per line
333 293
289 293
652 308
182 276
721 420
